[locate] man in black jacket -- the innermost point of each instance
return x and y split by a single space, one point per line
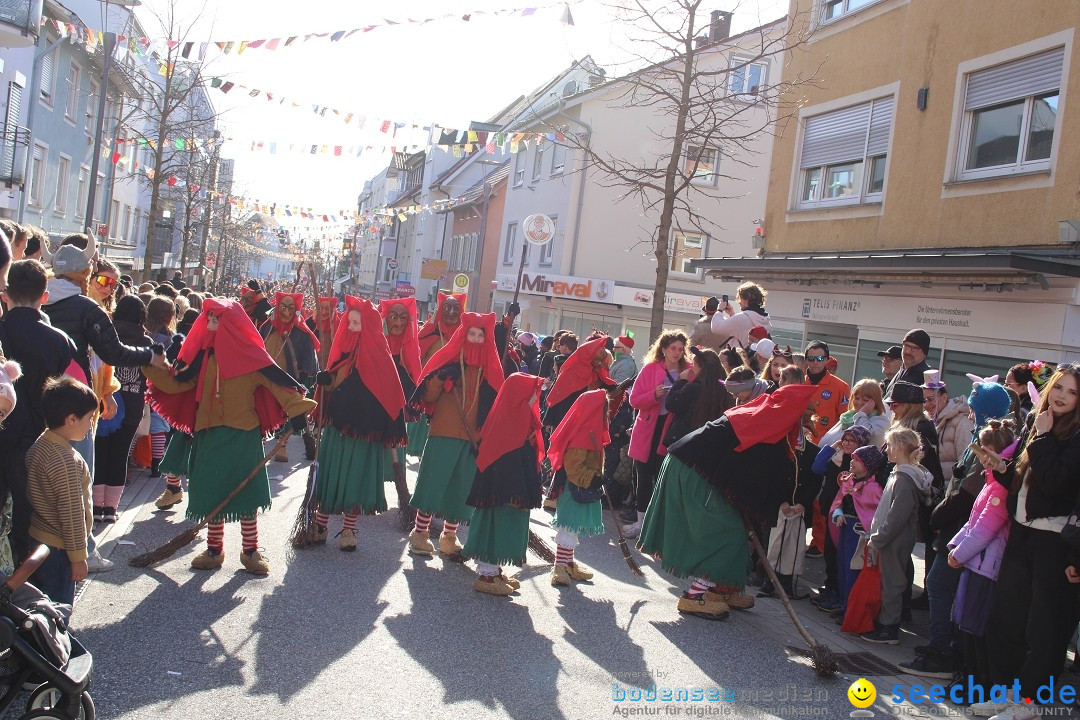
914 350
44 352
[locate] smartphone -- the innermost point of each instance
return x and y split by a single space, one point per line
724 298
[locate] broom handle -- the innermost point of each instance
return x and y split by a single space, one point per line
776 584
243 483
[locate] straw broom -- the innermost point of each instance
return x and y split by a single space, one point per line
627 555
303 532
186 537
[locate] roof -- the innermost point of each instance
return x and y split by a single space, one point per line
911 266
476 193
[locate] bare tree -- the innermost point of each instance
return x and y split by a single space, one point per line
699 81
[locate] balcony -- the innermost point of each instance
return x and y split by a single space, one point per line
19 22
13 145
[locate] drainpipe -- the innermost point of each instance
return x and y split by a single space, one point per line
581 183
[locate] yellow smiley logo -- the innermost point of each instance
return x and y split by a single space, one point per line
862 693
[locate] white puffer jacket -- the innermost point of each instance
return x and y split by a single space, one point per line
954 428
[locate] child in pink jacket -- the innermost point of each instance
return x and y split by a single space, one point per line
978 548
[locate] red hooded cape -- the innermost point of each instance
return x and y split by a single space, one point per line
405 345
435 328
238 350
455 346
770 418
577 371
370 355
583 422
514 416
298 319
323 327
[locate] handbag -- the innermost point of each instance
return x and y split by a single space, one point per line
591 494
864 601
144 424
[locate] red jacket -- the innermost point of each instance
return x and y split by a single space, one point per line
830 401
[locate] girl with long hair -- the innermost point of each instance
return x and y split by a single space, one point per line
698 396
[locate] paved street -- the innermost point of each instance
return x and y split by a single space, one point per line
378 633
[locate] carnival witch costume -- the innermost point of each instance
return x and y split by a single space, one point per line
399 316
507 484
435 333
740 465
292 345
227 392
456 392
585 369
576 453
364 407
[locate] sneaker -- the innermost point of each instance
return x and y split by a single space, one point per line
169 498
99 512
632 531
255 563
884 635
828 605
709 609
813 553
932 665
493 585
986 709
96 564
347 541
108 515
1018 712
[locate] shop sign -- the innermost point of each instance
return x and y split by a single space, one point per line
673 301
561 286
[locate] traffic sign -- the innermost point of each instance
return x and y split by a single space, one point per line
392 263
461 284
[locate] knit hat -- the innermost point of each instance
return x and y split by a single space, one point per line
9 373
626 341
919 338
859 433
988 401
758 332
871 457
764 348
527 339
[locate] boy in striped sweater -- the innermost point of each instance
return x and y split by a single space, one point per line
58 486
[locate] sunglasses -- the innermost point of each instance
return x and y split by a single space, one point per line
105 281
815 358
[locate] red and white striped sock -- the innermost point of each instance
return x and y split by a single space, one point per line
172 483
215 535
350 521
321 519
450 528
249 534
564 555
423 522
157 445
698 587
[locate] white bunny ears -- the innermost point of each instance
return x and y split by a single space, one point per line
976 379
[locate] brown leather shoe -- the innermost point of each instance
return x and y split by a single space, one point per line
709 609
207 560
492 586
739 601
420 544
255 563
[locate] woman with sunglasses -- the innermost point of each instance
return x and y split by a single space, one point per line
103 285
102 290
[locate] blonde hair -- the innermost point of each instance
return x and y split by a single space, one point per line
908 415
909 439
869 388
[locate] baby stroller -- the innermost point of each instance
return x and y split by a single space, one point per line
35 646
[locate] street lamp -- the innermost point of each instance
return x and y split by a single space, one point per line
99 121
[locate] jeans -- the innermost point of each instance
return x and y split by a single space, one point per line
53 577
941 583
85 448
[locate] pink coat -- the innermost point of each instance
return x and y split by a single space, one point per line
981 542
866 495
643 399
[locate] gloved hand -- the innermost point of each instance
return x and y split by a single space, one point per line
513 309
174 347
324 378
254 285
449 372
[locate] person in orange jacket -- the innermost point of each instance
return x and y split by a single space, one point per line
829 402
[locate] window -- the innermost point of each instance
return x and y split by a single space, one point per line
511 243
844 155
84 188
538 162
63 170
91 108
747 77
125 234
519 167
548 248
684 248
37 175
558 158
99 198
701 162
114 219
71 108
48 77
833 9
1010 111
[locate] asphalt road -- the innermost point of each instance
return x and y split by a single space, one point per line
377 633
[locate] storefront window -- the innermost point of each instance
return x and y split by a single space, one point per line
958 364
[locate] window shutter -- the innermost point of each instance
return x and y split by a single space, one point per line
47 75
11 127
834 137
880 124
1012 81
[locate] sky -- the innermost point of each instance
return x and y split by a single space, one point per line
447 71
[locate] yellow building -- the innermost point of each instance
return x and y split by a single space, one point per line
928 177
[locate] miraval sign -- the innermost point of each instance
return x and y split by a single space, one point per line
561 286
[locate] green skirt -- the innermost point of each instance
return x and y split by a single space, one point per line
693 530
581 518
418 436
351 474
220 458
447 471
498 536
177 458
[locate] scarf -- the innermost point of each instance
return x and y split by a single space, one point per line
584 427
435 328
577 372
404 346
514 417
284 329
369 354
